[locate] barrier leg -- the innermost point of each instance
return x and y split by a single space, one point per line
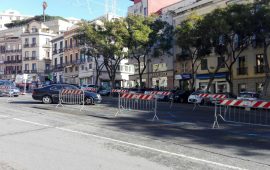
194 107
171 105
155 111
59 104
216 118
119 106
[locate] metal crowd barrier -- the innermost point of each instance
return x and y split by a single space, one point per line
116 92
164 94
243 112
208 100
71 97
137 102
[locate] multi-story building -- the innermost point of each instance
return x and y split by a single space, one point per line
177 13
58 58
71 57
248 71
148 7
10 53
8 16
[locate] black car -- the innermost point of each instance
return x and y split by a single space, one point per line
50 94
181 96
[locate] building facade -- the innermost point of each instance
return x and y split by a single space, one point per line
58 58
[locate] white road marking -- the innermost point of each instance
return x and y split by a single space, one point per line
131 144
4 116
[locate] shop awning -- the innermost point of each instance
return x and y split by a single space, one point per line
183 76
207 76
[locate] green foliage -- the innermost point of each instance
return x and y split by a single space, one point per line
38 18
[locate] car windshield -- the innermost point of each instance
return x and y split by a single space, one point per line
198 92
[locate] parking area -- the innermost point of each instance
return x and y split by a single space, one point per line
179 128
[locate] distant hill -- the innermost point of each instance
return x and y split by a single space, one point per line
39 18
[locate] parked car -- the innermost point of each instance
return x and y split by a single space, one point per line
50 94
104 91
181 96
195 98
248 96
13 90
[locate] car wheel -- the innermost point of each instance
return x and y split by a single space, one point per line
89 101
181 100
46 99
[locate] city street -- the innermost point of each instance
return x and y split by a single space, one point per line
37 136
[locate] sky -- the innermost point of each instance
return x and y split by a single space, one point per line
81 9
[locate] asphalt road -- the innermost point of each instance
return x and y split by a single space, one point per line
37 136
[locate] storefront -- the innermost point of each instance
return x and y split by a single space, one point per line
219 84
183 81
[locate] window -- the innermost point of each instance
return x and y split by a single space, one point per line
76 68
65 70
184 67
47 41
26 41
82 67
66 44
77 56
61 60
61 44
242 87
34 29
126 68
90 66
55 47
34 66
259 60
66 59
55 61
26 54
47 66
70 58
121 68
26 67
70 42
259 87
56 88
34 54
204 65
145 11
242 62
221 62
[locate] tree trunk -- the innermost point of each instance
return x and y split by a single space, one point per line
140 79
97 77
210 83
266 70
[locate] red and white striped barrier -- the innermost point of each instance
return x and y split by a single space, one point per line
119 91
137 96
4 87
164 93
90 89
67 91
215 96
246 103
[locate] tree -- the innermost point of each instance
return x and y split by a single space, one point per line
229 32
261 37
193 45
105 40
88 36
148 37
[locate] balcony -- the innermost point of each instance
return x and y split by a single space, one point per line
12 61
61 50
259 69
26 58
26 71
26 45
242 71
34 45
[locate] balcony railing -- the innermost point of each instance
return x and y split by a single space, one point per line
26 71
26 45
259 69
242 71
47 71
33 71
12 61
34 45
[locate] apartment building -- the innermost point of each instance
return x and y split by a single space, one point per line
58 58
10 15
248 74
71 57
177 13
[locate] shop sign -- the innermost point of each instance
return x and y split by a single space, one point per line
160 74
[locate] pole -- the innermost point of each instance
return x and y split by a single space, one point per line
24 86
